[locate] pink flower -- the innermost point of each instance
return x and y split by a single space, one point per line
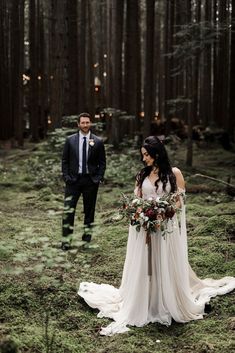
159 217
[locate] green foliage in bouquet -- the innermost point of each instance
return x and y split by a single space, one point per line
152 214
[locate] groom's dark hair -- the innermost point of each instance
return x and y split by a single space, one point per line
83 115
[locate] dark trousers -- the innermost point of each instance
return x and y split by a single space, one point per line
88 189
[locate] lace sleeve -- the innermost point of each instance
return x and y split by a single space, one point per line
181 197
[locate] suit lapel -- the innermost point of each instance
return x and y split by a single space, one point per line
77 146
90 147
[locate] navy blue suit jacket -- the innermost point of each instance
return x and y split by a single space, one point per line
96 159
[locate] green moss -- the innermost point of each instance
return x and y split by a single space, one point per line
47 280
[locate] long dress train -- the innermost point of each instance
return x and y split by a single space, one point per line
173 290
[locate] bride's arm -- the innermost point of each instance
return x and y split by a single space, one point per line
179 182
179 178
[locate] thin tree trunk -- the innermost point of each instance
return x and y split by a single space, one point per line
157 60
58 52
132 59
162 62
82 57
168 61
19 63
6 57
34 40
117 31
189 70
72 57
149 82
89 67
231 122
108 55
205 74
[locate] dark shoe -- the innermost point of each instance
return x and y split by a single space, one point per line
65 246
86 237
208 308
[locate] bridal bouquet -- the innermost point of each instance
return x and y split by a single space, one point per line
151 214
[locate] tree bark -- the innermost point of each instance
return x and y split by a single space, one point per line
82 57
34 41
6 57
231 122
149 82
90 87
117 34
58 60
72 59
132 59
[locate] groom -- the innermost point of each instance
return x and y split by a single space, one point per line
83 167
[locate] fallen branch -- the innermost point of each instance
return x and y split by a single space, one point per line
214 179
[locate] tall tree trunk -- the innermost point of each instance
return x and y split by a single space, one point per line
6 55
149 81
117 32
195 74
132 59
42 78
169 25
17 79
157 60
90 87
205 111
221 66
72 62
82 56
58 53
189 70
34 41
231 123
108 55
162 61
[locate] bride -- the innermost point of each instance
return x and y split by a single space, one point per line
173 291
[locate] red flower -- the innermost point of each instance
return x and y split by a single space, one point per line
170 211
150 214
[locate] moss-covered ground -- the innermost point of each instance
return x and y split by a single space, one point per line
40 310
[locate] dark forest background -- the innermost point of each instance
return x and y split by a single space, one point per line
161 64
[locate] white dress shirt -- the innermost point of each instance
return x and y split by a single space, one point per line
81 135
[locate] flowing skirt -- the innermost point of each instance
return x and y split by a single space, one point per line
172 291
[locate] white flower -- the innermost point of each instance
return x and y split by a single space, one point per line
141 222
135 202
91 142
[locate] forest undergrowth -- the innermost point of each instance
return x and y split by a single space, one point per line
40 308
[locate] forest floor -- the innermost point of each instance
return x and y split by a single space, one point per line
40 308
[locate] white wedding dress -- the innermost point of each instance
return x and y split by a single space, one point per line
173 290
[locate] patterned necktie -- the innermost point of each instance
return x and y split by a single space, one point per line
84 156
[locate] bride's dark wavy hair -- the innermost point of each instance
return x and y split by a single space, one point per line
157 151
